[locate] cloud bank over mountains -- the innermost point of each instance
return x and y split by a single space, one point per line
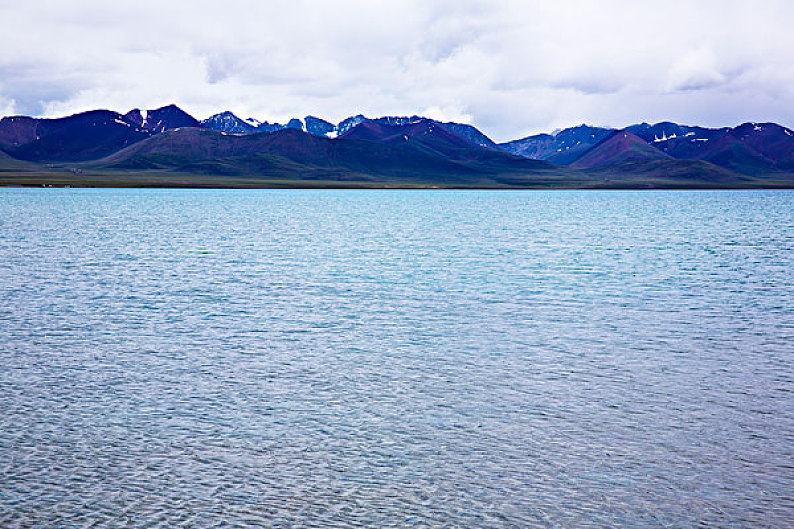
512 68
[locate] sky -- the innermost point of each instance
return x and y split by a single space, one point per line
511 68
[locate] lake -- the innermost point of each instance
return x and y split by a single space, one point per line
203 358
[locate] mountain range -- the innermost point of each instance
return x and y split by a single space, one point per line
228 122
167 146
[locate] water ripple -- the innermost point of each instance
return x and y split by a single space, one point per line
388 359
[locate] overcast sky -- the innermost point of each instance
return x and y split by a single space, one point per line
511 68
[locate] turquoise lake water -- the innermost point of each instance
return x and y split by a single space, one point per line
194 358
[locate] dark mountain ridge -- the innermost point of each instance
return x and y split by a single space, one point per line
228 122
424 132
162 119
561 148
370 151
396 148
750 148
87 135
619 147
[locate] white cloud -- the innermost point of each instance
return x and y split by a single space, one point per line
509 67
447 114
7 106
695 70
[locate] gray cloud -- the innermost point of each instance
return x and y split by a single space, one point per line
510 67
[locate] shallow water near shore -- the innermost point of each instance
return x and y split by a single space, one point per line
189 358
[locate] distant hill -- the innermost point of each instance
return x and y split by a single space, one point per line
424 134
470 133
228 122
619 147
679 141
730 152
467 132
84 136
369 152
751 148
673 173
87 135
162 119
761 143
561 148
9 163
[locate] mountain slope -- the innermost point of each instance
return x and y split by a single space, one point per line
750 148
730 152
319 127
467 132
169 117
228 122
9 163
161 119
671 173
295 154
561 148
17 130
87 135
769 140
348 123
679 141
619 148
84 136
435 139
426 134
